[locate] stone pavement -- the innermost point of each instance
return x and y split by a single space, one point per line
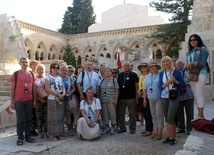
197 143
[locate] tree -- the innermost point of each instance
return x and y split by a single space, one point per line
68 56
78 18
173 34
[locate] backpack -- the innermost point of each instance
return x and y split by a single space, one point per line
16 76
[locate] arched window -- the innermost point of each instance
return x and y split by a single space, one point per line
36 56
108 55
79 60
101 55
49 56
158 54
53 57
41 58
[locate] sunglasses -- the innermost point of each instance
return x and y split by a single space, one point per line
114 72
55 68
193 40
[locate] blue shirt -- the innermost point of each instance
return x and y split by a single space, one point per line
152 86
66 84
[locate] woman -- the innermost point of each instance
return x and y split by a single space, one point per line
54 86
197 57
145 107
152 91
87 126
41 105
169 78
109 96
69 90
33 65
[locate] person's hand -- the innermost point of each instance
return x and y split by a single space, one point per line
115 103
61 96
34 104
12 105
190 65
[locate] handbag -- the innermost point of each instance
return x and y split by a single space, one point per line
70 105
193 74
101 124
173 93
41 92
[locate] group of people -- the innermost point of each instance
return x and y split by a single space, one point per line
83 96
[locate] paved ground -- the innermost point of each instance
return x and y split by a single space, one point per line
121 144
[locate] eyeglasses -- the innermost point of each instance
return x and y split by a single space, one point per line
55 68
193 40
96 69
114 72
71 71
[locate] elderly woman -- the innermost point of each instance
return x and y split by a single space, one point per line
87 125
197 57
69 90
152 91
109 96
41 104
55 88
170 79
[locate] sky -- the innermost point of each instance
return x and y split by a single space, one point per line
49 13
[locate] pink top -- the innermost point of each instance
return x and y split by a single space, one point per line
23 91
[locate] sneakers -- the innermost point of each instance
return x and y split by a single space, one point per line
112 131
173 141
105 131
169 140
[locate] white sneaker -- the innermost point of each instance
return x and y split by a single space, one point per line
112 131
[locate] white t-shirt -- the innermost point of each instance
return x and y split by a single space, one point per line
94 106
56 85
165 91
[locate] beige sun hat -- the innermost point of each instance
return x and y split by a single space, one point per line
143 64
154 63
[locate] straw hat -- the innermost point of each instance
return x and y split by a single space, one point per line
154 63
35 62
143 64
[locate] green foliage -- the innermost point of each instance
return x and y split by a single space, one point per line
173 34
78 18
68 56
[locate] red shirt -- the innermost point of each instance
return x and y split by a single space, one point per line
24 82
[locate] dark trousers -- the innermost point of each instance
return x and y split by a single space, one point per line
33 119
41 114
130 103
188 105
23 117
147 115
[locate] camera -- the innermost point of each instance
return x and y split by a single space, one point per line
26 91
150 90
104 93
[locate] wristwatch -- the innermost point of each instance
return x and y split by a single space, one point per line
95 123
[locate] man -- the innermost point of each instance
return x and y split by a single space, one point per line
96 69
186 101
102 69
128 88
88 78
23 97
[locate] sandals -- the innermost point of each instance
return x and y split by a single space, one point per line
146 134
19 142
157 137
30 140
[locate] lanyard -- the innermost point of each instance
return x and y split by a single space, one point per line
106 84
153 79
89 78
25 77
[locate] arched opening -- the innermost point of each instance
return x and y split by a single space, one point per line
101 54
108 55
53 57
42 56
28 54
158 54
79 60
49 56
37 56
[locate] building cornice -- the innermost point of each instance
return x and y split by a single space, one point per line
128 31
